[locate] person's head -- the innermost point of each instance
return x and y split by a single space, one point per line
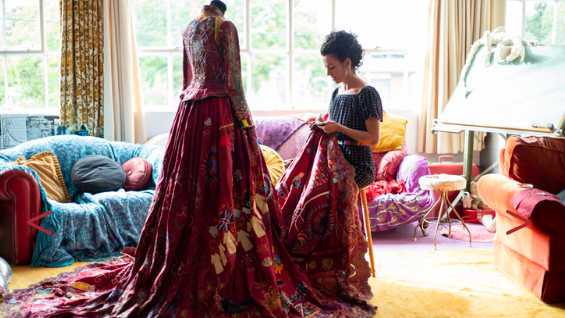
342 55
222 6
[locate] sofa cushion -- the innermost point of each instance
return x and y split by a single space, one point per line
386 163
138 174
47 167
95 173
539 161
393 130
274 162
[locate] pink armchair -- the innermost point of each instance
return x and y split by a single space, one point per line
533 256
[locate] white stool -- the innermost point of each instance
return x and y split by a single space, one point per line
443 183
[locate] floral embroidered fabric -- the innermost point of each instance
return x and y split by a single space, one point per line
318 198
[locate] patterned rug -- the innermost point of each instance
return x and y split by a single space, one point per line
443 284
478 232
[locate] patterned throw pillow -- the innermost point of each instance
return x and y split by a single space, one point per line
47 167
393 130
274 162
95 173
386 163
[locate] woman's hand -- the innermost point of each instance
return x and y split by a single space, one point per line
329 126
310 121
313 120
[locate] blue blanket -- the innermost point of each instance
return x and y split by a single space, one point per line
92 227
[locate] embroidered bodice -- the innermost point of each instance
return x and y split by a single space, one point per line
211 62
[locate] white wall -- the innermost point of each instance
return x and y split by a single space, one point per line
157 123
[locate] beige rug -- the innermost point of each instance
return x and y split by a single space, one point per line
451 284
420 284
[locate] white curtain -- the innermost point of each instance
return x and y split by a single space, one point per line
123 114
453 26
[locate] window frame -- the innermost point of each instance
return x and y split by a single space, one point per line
5 52
523 20
246 52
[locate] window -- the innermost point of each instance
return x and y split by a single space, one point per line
543 21
29 56
280 42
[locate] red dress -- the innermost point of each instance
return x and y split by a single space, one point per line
211 245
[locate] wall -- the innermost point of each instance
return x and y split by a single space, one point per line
157 123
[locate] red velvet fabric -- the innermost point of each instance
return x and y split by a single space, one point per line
20 200
534 256
539 161
525 201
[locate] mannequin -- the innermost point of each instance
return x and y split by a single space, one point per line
220 5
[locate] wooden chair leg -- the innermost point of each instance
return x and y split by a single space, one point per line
368 228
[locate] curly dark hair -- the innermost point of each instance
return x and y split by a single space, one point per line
343 45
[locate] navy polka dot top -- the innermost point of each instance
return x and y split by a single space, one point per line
351 110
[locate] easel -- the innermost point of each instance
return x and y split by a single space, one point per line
470 138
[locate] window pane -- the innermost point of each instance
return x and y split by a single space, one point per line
26 85
269 81
311 87
2 84
384 23
312 22
539 21
560 37
178 78
54 84
394 77
236 14
151 23
244 65
514 17
52 18
1 24
154 83
22 24
268 24
182 12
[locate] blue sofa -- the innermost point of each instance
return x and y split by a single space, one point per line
92 227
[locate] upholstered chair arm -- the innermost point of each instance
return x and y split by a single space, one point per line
496 191
547 219
20 200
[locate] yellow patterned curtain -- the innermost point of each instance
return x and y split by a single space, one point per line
82 66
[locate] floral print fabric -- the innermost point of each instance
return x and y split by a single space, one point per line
82 66
318 198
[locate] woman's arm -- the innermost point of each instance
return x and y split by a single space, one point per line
370 137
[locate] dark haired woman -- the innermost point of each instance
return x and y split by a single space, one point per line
355 109
318 192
